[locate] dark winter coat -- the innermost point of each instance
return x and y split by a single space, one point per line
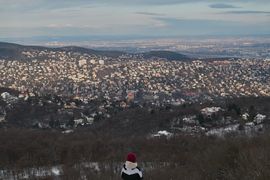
131 174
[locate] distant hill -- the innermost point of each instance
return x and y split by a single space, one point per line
8 50
14 51
169 55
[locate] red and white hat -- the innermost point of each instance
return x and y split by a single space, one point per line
131 157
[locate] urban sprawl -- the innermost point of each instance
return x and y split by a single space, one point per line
133 78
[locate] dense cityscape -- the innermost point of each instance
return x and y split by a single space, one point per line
69 89
87 76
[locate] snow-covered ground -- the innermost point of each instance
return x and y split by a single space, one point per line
210 110
57 171
162 133
31 172
223 130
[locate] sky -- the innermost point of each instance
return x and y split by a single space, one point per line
155 18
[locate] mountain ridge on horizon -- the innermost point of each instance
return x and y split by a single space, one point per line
13 51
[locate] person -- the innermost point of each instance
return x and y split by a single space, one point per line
130 170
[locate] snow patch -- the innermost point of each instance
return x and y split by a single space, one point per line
245 116
224 130
8 97
67 131
162 133
190 120
210 110
259 118
56 171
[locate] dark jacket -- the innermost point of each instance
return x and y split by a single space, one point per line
131 174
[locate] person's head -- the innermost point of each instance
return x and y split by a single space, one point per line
131 161
131 157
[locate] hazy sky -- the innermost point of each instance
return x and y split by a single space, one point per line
27 18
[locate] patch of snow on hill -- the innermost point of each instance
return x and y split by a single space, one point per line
210 110
224 130
162 133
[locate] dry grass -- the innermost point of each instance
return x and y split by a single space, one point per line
182 157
